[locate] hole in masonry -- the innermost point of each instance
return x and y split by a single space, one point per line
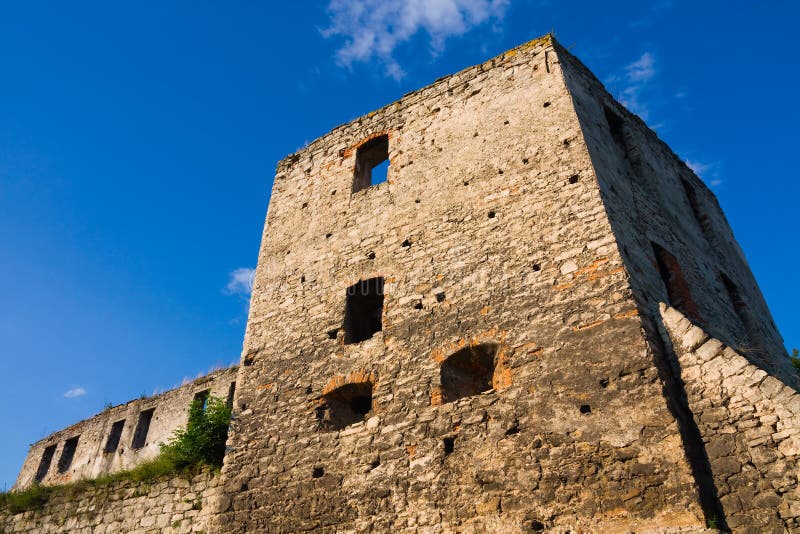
513 430
375 463
328 235
346 405
546 105
416 201
309 390
302 278
566 142
440 297
371 255
604 383
585 408
333 192
305 204
536 267
333 334
506 122
499 171
525 161
418 305
475 134
406 243
363 310
248 360
573 179
492 214
449 445
317 472
468 372
537 526
466 184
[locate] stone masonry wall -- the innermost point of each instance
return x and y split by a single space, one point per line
750 423
91 459
490 228
165 506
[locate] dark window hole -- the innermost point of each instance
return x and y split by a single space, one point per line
67 454
328 235
449 445
44 463
492 214
604 383
333 334
305 204
537 526
536 267
585 408
333 192
375 463
416 201
525 161
513 430
371 255
466 184
573 179
363 310
142 428
546 105
113 437
566 142
317 472
418 305
345 405
406 243
302 278
506 122
468 372
440 297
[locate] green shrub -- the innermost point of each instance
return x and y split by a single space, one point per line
795 357
202 442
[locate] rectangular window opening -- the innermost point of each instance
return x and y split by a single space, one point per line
363 312
112 444
672 276
739 303
202 397
699 214
44 463
67 454
231 392
142 428
372 163
617 127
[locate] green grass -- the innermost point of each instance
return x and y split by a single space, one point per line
198 447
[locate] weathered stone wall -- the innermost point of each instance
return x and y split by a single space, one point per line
171 505
750 423
91 460
651 196
490 228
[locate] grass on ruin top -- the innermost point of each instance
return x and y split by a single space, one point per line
191 450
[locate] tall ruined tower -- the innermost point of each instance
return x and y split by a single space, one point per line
477 343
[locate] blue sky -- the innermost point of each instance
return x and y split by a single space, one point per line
138 143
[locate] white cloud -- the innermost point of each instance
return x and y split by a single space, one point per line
642 69
631 82
75 392
375 28
706 171
240 281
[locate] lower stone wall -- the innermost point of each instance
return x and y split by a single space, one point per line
750 424
173 505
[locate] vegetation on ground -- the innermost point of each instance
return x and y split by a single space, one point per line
190 450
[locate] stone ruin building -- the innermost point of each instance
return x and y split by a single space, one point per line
538 321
